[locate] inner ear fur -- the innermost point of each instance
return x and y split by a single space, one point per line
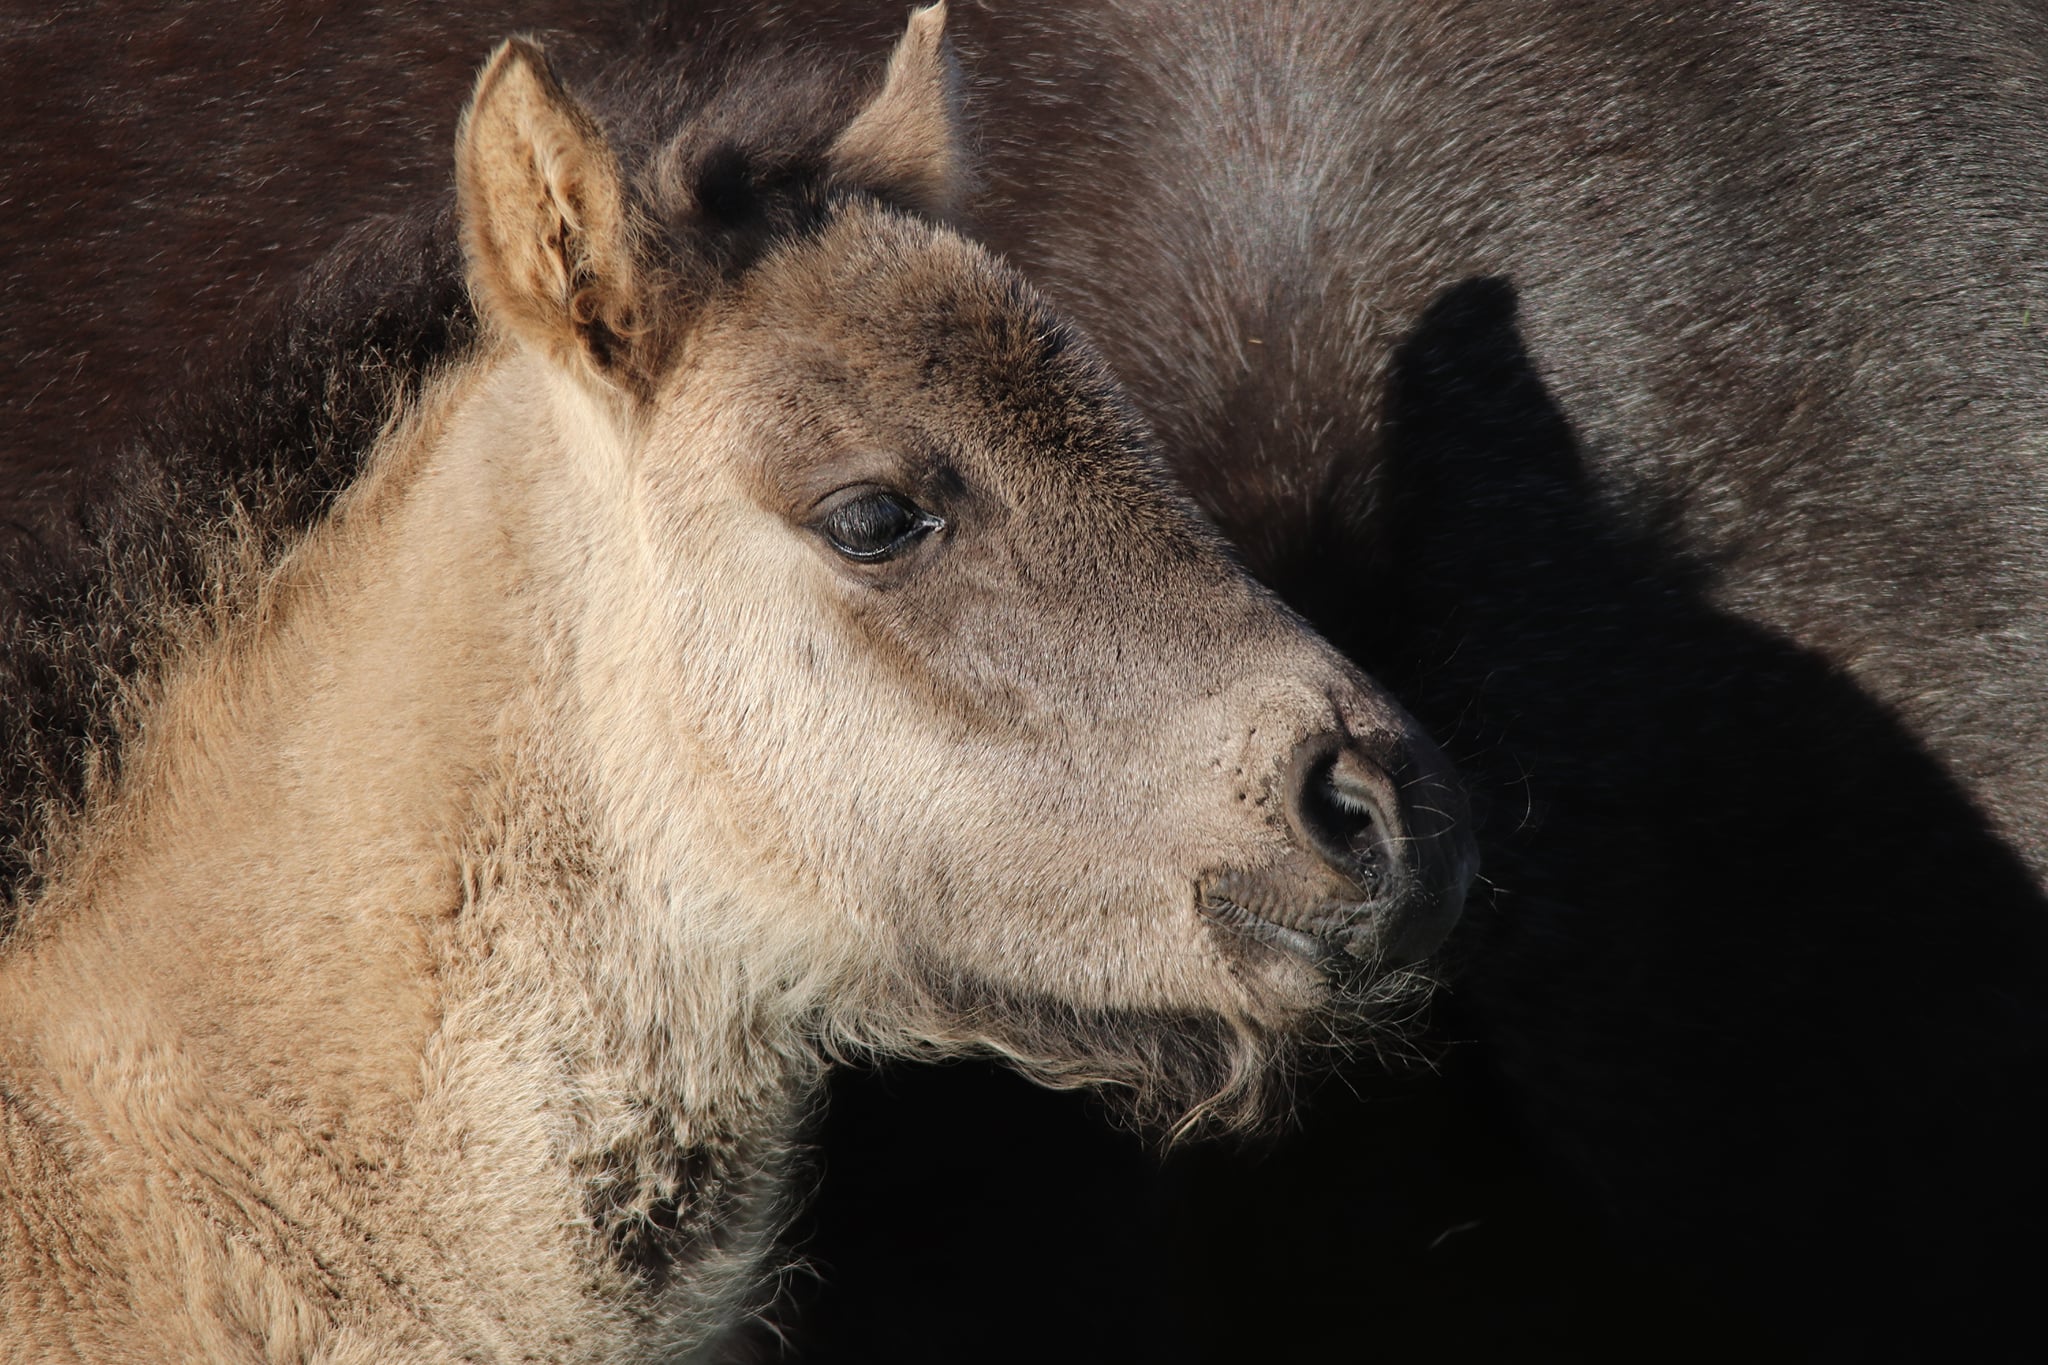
545 222
907 143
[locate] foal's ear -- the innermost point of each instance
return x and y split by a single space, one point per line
544 217
907 143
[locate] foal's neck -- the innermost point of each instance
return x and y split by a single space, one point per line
347 1011
345 966
269 890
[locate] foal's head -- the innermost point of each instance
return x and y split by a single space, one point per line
928 681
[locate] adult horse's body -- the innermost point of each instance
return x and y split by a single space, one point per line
770 636
1655 394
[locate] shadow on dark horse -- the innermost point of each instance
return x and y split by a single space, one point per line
1747 945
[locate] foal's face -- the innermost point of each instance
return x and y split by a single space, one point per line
928 680
985 685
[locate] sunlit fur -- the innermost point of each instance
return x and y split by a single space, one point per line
445 967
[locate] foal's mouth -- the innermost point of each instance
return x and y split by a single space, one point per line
1307 928
1315 930
1390 922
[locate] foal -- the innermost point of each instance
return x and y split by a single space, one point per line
776 638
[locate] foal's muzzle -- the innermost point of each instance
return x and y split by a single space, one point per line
1384 854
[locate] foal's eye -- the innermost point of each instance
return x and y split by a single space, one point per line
876 526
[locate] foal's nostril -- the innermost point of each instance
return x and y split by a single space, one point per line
1343 806
1380 859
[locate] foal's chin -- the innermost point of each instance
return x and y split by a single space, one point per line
1230 1067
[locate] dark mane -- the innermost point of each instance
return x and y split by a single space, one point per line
242 462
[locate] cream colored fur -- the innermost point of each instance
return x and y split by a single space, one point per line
500 869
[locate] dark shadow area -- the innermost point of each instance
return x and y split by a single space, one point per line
1744 1055
1757 989
963 1214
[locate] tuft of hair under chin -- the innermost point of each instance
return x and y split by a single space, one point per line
1173 1077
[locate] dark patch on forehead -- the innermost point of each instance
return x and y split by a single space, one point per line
1061 428
901 303
1017 341
942 357
1055 340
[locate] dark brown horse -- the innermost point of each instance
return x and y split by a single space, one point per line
1654 395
